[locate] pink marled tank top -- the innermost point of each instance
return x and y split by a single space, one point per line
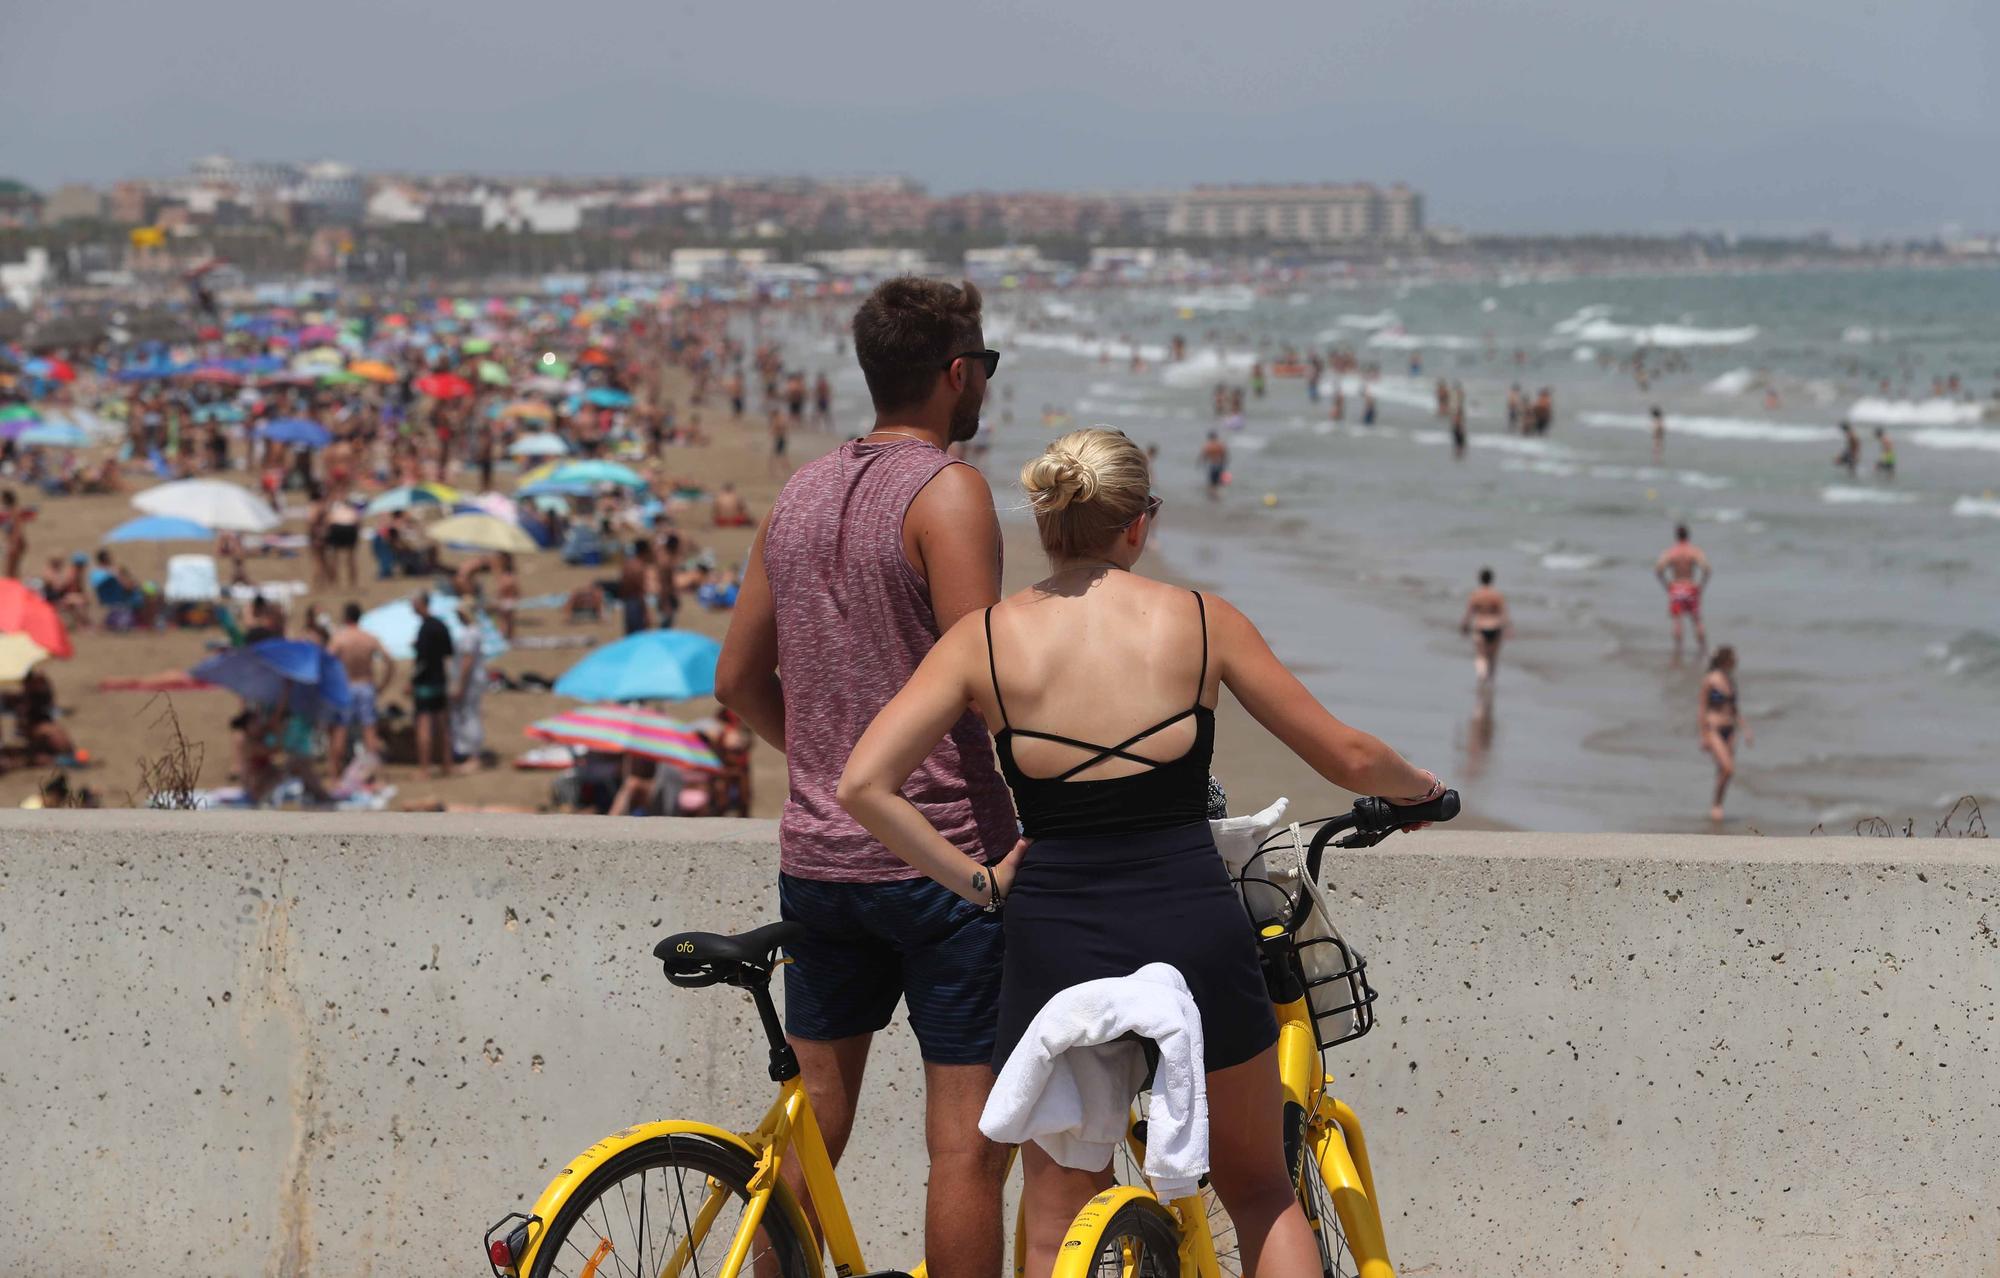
854 620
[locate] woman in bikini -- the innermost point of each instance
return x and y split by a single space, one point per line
1718 719
1123 870
1486 617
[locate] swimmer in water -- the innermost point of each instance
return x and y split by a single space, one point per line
1458 425
1850 449
1684 571
1885 454
1215 461
1719 717
1659 433
1487 621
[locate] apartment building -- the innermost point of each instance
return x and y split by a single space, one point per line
1343 213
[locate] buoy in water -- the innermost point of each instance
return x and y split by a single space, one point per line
1652 494
1270 499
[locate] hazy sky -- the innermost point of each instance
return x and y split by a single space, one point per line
1863 115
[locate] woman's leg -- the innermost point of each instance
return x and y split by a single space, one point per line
1051 1196
1725 768
1246 1147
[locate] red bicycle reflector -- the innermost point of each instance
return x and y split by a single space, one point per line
500 1254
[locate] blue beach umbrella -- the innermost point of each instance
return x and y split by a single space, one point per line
605 397
53 435
653 665
298 432
539 444
395 624
158 528
302 676
597 472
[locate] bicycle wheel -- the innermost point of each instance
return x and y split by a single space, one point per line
1221 1230
674 1199
1139 1240
1335 1258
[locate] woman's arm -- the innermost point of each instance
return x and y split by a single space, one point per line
908 728
1273 695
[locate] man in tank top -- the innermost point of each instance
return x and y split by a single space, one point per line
868 555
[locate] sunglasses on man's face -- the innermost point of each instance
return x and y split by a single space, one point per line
991 359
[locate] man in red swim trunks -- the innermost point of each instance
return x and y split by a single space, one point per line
1684 571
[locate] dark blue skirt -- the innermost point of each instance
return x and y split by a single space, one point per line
1086 908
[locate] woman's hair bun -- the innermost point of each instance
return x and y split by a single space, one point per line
1057 478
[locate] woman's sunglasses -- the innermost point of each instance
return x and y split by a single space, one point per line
991 359
1152 510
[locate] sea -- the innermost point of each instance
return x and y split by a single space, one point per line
1864 609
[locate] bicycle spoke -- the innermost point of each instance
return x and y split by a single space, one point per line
687 1220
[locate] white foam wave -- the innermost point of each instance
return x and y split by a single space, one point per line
1857 334
1407 391
1738 428
1914 412
1232 297
1721 515
1956 440
1085 347
1565 561
1588 315
1542 466
1584 354
1977 507
1205 368
1733 382
1665 335
1380 319
1842 495
1397 340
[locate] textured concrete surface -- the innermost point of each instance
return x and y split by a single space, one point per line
343 1045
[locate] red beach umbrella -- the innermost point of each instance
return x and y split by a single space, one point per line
444 386
24 612
60 370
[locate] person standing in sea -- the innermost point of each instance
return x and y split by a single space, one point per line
868 555
1849 457
1718 719
1215 463
1486 618
1683 570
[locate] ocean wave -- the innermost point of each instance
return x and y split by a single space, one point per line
1083 347
1587 315
1715 427
1230 297
1665 335
1572 561
1721 515
1973 654
1914 412
1843 495
1977 507
1542 466
1380 319
1205 368
1734 382
1955 440
1857 335
1396 339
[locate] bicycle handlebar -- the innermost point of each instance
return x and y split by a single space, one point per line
1370 821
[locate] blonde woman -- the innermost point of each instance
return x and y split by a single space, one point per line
1101 687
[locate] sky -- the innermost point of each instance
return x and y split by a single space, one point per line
1867 117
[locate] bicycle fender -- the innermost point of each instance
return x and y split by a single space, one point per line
1080 1243
602 1151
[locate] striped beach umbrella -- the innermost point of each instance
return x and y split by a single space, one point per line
624 730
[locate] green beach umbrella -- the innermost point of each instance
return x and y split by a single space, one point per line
475 346
492 374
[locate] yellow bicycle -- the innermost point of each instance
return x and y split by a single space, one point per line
1319 989
683 1199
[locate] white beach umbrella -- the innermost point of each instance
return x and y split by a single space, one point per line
210 503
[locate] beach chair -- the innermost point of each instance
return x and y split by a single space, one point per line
120 604
191 580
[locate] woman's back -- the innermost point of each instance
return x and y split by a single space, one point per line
1102 700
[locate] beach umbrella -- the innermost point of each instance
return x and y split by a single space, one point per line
548 501
540 444
297 431
550 366
319 358
19 427
528 409
539 385
216 375
19 413
53 435
492 374
475 346
218 413
395 624
51 368
25 612
443 386
653 665
18 655
210 503
594 356
625 730
605 397
303 676
339 377
373 370
158 528
410 496
597 472
482 532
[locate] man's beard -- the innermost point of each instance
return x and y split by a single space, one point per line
965 414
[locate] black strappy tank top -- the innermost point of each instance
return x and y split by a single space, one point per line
1165 795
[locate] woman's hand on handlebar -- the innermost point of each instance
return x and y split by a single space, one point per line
1429 797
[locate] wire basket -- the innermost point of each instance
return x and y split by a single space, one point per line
1275 889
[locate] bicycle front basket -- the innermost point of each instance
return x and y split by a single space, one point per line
1337 989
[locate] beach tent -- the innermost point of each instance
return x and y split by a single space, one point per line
192 579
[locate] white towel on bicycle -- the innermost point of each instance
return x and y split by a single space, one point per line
1068 1084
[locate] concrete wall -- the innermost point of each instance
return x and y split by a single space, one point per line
343 1045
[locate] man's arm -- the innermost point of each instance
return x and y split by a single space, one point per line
746 675
1660 567
956 535
1707 570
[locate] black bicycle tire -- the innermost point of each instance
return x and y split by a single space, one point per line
728 1165
1148 1221
1317 1201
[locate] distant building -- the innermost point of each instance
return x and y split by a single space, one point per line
74 203
20 206
1347 213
